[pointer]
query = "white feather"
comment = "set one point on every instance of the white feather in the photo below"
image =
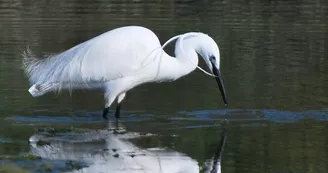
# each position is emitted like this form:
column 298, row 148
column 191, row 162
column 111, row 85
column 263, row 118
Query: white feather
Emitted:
column 97, row 60
column 117, row 61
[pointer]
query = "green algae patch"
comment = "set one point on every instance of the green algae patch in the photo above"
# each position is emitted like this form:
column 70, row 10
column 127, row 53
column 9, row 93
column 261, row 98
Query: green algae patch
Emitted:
column 32, row 157
column 73, row 165
column 12, row 169
column 48, row 167
column 26, row 157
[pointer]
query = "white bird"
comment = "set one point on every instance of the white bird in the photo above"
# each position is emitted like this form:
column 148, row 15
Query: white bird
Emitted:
column 119, row 60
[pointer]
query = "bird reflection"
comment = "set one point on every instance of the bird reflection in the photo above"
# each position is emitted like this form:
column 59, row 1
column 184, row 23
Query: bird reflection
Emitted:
column 214, row 164
column 113, row 154
column 105, row 151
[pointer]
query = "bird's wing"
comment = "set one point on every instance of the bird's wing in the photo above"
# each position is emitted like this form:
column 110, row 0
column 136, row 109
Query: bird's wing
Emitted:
column 106, row 57
column 109, row 61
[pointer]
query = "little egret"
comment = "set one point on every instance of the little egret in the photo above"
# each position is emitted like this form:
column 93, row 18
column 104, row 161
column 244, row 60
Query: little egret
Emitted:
column 119, row 60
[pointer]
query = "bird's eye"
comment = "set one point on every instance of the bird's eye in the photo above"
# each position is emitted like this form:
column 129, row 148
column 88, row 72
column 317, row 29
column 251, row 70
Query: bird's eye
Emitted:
column 212, row 58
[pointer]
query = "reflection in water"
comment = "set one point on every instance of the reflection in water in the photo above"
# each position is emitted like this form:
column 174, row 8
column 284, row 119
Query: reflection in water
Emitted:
column 268, row 146
column 104, row 151
column 214, row 164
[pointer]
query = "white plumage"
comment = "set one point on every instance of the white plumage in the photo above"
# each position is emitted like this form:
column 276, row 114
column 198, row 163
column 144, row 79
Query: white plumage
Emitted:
column 118, row 60
column 101, row 59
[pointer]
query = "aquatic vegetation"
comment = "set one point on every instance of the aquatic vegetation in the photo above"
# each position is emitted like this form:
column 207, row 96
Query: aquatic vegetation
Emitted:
column 25, row 157
column 48, row 167
column 73, row 165
column 32, row 157
column 12, row 169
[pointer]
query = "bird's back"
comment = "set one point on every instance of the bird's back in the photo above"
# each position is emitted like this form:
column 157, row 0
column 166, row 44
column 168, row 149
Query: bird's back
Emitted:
column 111, row 55
column 119, row 52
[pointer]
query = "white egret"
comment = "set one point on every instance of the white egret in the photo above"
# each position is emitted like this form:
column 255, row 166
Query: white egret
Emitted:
column 119, row 60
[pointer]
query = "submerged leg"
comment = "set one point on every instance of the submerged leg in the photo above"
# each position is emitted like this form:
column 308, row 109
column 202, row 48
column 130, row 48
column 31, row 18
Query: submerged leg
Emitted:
column 105, row 112
column 118, row 109
column 117, row 114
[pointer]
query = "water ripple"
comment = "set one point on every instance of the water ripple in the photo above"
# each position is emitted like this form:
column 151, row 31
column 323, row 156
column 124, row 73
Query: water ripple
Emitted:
column 253, row 115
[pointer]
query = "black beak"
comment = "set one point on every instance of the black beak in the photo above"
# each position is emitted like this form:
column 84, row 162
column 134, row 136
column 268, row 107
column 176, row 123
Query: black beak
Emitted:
column 217, row 73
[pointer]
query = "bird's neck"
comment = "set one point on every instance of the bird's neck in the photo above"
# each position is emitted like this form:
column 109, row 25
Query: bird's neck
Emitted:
column 186, row 61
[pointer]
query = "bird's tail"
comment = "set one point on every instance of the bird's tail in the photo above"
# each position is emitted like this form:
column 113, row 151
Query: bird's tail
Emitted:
column 29, row 62
column 37, row 90
column 34, row 68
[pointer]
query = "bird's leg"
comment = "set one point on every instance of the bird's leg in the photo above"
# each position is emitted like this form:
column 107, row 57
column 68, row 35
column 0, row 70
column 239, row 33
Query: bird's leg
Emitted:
column 105, row 112
column 108, row 101
column 117, row 114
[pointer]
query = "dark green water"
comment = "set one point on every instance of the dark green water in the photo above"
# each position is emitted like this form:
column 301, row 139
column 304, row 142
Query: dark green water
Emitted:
column 273, row 61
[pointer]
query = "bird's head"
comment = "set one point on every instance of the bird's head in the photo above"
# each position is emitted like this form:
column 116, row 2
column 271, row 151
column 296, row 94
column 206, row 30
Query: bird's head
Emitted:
column 207, row 48
column 209, row 51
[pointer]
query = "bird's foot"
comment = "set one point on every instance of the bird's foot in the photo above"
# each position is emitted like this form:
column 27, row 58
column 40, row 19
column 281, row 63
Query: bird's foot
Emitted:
column 119, row 131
